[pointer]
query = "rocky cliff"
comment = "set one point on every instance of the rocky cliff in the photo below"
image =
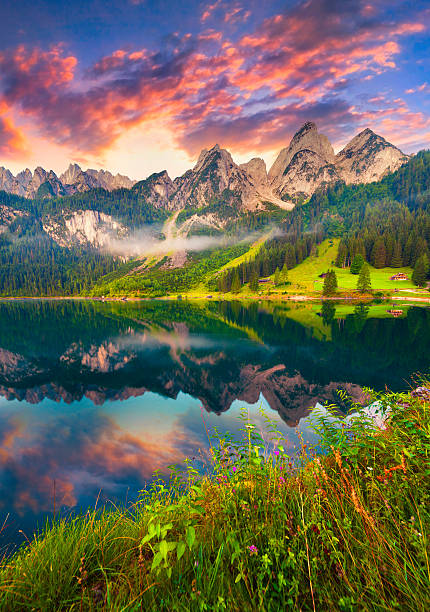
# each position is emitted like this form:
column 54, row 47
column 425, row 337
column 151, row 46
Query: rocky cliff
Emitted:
column 309, row 162
column 367, row 158
column 83, row 227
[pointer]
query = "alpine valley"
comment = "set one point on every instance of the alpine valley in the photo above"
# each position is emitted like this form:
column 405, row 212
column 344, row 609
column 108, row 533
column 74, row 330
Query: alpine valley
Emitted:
column 218, row 227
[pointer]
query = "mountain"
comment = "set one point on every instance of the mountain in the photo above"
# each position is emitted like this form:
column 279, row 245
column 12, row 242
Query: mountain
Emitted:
column 45, row 183
column 206, row 199
column 216, row 177
column 75, row 180
column 300, row 168
column 157, row 190
column 83, row 227
column 309, row 162
column 368, row 158
column 304, row 165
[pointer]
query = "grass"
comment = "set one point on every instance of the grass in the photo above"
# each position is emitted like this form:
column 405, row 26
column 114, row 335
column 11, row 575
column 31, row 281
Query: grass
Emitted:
column 346, row 530
column 305, row 275
column 304, row 278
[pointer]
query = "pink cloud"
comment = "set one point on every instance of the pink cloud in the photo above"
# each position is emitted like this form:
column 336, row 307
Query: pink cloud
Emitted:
column 206, row 88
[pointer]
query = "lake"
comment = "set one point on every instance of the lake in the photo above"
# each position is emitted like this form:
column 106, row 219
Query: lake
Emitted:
column 96, row 397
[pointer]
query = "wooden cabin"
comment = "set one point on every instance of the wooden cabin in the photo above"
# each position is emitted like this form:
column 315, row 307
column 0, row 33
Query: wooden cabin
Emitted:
column 395, row 312
column 401, row 276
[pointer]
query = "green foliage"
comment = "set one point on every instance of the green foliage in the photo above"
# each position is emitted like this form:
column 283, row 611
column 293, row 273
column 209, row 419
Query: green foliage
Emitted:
column 264, row 529
column 157, row 280
column 235, row 283
column 421, row 270
column 330, row 283
column 363, row 282
column 357, row 263
column 284, row 274
column 253, row 283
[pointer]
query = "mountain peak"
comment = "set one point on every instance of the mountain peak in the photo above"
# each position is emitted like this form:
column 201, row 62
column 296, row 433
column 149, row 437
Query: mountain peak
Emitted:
column 368, row 157
column 307, row 138
column 307, row 127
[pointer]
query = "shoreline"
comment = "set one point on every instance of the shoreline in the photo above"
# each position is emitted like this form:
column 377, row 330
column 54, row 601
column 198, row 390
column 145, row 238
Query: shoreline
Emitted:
column 215, row 298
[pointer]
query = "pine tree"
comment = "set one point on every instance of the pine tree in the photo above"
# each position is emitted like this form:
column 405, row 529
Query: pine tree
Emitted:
column 379, row 253
column 364, row 284
column 357, row 263
column 342, row 254
column 396, row 261
column 253, row 283
column 330, row 283
column 421, row 269
column 235, row 283
column 284, row 274
column 277, row 277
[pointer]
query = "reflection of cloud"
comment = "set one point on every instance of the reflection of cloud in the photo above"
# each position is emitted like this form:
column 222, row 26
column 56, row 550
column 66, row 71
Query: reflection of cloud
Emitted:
column 83, row 452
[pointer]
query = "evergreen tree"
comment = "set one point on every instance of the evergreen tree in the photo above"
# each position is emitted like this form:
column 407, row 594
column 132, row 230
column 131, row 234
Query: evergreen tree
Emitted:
column 330, row 283
column 357, row 263
column 277, row 277
column 421, row 269
column 364, row 284
column 284, row 274
column 342, row 254
column 379, row 254
column 235, row 283
column 253, row 283
column 396, row 261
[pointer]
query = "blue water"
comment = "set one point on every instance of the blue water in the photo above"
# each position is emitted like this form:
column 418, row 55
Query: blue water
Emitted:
column 97, row 397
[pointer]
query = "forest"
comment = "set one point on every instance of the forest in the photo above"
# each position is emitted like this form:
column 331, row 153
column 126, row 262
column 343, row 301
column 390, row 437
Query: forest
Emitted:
column 387, row 222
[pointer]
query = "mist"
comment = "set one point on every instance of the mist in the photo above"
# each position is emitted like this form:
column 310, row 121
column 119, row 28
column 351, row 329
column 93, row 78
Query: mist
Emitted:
column 146, row 242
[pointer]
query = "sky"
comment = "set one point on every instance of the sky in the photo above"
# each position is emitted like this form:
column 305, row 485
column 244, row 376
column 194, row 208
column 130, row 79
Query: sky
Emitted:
column 138, row 86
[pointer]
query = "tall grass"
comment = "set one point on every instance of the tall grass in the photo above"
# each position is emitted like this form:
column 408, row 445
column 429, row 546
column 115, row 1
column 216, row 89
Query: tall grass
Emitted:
column 346, row 530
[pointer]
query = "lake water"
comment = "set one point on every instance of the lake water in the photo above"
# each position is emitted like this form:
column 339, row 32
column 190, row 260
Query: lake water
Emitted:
column 95, row 397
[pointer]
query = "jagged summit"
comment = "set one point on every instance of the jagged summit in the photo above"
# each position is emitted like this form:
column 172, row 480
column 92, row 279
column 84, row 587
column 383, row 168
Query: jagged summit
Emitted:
column 305, row 164
column 367, row 158
column 73, row 180
column 300, row 168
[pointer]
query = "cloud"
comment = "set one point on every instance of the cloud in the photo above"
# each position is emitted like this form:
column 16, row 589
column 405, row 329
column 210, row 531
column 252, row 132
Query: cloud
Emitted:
column 209, row 10
column 253, row 91
column 83, row 452
column 12, row 140
column 423, row 88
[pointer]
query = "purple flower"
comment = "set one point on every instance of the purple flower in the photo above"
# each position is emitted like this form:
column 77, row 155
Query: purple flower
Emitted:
column 276, row 452
column 253, row 550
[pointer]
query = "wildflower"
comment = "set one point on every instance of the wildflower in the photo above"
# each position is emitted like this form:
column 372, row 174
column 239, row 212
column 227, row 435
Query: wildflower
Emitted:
column 337, row 456
column 253, row 550
column 276, row 452
column 281, row 479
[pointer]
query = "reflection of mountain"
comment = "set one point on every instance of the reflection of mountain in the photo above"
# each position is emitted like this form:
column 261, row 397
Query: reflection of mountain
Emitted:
column 116, row 351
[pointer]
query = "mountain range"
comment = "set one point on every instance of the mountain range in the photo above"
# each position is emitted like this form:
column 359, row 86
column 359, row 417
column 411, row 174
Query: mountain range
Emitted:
column 45, row 183
column 300, row 168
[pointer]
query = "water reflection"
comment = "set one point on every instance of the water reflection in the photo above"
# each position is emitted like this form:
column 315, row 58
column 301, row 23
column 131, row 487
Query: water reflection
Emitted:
column 67, row 367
